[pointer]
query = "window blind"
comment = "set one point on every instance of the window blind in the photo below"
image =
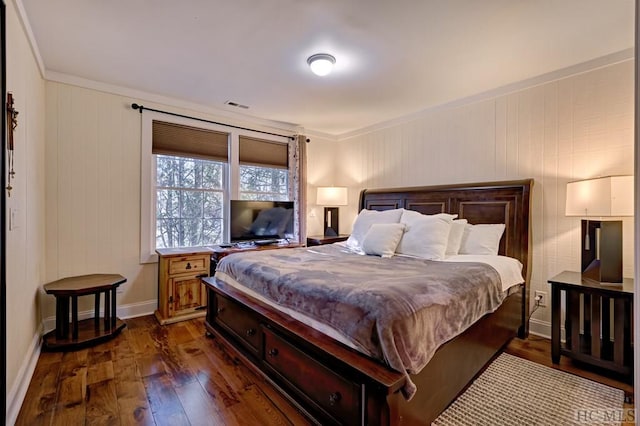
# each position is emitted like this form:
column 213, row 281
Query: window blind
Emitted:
column 187, row 141
column 260, row 152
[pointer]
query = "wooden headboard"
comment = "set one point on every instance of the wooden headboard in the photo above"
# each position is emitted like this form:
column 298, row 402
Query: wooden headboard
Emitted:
column 491, row 202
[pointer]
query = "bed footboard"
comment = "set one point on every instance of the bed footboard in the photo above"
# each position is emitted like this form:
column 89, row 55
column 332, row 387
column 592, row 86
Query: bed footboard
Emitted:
column 333, row 384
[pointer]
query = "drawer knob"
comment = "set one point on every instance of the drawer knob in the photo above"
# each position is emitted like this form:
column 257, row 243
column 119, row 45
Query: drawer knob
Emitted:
column 221, row 309
column 273, row 352
column 251, row 332
column 188, row 265
column 334, row 398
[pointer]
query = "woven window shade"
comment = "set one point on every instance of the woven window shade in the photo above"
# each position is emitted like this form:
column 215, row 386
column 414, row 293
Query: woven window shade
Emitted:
column 186, row 141
column 260, row 152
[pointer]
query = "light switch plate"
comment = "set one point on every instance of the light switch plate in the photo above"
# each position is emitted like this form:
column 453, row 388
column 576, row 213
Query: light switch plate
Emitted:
column 14, row 217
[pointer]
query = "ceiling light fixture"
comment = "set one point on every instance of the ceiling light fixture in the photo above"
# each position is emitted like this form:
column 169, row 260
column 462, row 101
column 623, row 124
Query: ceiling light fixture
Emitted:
column 321, row 63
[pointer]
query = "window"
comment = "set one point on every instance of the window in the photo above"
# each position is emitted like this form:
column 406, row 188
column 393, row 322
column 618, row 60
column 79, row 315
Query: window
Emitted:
column 264, row 173
column 190, row 165
column 264, row 183
column 190, row 171
column 189, row 201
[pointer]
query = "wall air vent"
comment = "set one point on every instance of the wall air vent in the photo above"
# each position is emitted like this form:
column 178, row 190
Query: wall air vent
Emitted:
column 237, row 105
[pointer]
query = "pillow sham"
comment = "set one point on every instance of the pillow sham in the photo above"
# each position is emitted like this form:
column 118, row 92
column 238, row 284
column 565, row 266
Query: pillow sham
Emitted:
column 455, row 236
column 481, row 239
column 365, row 219
column 412, row 214
column 425, row 236
column 382, row 239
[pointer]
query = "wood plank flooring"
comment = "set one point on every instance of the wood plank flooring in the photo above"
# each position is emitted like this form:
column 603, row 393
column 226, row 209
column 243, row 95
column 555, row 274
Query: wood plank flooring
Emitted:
column 152, row 375
column 174, row 375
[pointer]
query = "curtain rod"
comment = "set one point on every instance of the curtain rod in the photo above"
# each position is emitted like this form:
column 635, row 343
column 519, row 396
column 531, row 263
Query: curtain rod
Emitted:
column 142, row 107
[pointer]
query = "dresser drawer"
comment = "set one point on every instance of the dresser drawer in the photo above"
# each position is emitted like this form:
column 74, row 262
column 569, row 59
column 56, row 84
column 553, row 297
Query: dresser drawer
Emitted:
column 338, row 398
column 240, row 322
column 180, row 265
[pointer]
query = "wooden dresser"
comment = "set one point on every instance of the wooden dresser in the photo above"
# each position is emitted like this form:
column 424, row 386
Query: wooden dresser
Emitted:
column 181, row 294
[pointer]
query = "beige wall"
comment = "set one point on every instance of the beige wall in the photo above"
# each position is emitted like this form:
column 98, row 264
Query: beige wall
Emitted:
column 573, row 128
column 25, row 241
column 321, row 171
column 93, row 189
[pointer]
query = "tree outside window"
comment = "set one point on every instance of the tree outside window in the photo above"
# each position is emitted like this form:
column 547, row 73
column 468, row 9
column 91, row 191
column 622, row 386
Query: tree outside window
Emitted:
column 264, row 183
column 190, row 200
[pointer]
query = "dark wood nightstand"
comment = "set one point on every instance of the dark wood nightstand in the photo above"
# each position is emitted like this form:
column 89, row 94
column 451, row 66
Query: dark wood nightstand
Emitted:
column 599, row 302
column 319, row 240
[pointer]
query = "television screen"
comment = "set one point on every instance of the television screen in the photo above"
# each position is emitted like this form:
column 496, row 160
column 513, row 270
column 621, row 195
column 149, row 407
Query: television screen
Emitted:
column 261, row 220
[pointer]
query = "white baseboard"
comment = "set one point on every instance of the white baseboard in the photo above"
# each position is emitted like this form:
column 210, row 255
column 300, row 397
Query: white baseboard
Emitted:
column 16, row 395
column 543, row 329
column 131, row 310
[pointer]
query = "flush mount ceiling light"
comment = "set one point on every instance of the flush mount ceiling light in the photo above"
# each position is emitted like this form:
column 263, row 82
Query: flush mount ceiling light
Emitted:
column 321, row 63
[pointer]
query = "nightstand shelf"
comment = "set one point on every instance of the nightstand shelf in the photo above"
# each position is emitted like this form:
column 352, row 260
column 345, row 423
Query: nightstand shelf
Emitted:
column 319, row 240
column 590, row 307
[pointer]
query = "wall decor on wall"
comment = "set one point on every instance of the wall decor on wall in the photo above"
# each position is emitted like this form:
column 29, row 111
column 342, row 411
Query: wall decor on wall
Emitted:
column 12, row 123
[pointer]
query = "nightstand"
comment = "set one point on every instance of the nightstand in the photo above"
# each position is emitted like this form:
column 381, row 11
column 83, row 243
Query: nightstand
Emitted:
column 319, row 240
column 588, row 336
column 181, row 294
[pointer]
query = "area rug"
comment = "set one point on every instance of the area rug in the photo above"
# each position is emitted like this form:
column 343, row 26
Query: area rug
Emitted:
column 515, row 391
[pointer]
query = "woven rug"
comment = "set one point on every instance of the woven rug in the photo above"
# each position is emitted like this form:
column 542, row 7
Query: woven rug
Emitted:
column 515, row 391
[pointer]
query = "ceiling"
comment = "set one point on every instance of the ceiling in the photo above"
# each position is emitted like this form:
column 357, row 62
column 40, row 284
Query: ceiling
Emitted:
column 393, row 58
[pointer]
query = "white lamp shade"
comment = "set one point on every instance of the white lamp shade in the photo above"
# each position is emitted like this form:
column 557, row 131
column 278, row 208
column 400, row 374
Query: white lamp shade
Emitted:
column 332, row 196
column 606, row 196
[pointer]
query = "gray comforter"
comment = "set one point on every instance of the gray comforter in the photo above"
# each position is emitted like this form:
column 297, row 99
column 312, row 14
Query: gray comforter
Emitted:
column 399, row 309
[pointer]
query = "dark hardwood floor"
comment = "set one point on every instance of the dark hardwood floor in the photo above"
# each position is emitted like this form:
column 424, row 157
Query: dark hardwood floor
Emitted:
column 174, row 375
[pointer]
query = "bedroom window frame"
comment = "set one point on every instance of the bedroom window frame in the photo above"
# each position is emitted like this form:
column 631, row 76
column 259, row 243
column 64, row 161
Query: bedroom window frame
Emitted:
column 231, row 175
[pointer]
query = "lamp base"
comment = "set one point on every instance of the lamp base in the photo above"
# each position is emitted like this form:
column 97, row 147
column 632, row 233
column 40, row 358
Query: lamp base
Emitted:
column 331, row 224
column 602, row 256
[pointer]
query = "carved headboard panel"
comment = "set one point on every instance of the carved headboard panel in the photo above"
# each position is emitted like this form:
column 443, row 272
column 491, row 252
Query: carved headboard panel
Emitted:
column 492, row 202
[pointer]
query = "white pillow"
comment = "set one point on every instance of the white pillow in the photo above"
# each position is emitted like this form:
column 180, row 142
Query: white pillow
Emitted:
column 425, row 236
column 455, row 236
column 382, row 239
column 410, row 214
column 481, row 239
column 365, row 219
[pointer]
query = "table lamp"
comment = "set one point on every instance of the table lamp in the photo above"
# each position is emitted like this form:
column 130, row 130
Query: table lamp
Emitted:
column 610, row 196
column 331, row 196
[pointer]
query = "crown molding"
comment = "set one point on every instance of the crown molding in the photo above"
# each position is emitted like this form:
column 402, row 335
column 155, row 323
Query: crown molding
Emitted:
column 26, row 26
column 318, row 134
column 140, row 96
column 583, row 67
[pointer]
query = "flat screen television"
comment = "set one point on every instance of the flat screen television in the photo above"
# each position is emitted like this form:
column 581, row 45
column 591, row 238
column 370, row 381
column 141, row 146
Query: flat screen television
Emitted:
column 261, row 220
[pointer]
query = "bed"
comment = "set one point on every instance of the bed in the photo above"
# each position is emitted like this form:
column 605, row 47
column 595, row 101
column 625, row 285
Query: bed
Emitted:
column 334, row 383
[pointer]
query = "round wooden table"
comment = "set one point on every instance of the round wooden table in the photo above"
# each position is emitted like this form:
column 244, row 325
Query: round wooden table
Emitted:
column 89, row 331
